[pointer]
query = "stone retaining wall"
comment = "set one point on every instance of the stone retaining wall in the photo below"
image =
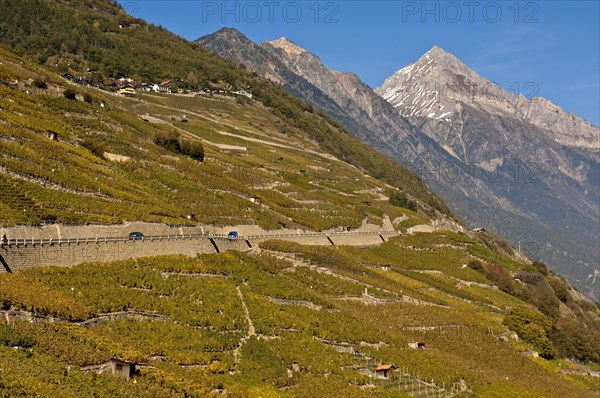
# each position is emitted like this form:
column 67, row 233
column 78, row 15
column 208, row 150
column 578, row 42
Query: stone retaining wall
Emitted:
column 66, row 255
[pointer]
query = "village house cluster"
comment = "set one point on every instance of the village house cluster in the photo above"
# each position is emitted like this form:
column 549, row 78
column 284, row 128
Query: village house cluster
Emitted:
column 127, row 86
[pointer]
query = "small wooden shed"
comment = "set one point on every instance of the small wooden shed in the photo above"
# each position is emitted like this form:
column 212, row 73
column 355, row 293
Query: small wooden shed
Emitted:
column 384, row 371
column 115, row 366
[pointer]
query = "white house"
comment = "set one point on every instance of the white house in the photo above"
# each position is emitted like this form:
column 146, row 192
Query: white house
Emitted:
column 164, row 87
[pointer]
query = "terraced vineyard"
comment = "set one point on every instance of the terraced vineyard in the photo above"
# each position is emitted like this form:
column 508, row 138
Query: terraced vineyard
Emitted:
column 15, row 206
column 283, row 320
column 74, row 180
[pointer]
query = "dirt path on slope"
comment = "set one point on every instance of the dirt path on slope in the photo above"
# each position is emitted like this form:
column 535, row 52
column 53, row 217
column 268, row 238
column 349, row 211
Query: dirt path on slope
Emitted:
column 237, row 353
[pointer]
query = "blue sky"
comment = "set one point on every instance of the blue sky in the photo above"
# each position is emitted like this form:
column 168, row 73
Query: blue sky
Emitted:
column 553, row 44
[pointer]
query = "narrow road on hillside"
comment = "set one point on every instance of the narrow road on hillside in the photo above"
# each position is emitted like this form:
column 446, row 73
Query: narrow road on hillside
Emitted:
column 243, row 137
column 283, row 236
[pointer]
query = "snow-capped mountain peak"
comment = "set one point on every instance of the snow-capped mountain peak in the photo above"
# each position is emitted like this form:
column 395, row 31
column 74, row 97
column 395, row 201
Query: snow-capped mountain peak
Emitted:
column 416, row 90
column 439, row 85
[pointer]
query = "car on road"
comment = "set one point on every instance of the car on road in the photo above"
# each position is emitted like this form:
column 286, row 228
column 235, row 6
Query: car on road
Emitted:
column 232, row 235
column 136, row 236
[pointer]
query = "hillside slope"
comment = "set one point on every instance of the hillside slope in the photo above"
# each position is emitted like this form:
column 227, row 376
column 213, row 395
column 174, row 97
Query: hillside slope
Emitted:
column 98, row 43
column 114, row 161
column 295, row 321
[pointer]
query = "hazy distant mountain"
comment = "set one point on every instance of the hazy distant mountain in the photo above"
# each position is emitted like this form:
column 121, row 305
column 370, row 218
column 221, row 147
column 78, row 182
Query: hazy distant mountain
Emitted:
column 523, row 168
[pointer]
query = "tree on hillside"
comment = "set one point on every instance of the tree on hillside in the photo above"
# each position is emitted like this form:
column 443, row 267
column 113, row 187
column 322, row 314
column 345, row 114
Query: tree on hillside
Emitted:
column 533, row 327
column 70, row 94
column 193, row 149
column 168, row 140
column 191, row 79
column 172, row 141
column 399, row 199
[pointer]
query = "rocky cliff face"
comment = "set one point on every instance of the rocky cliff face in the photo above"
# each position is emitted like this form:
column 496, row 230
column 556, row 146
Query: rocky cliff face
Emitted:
column 342, row 95
column 518, row 166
